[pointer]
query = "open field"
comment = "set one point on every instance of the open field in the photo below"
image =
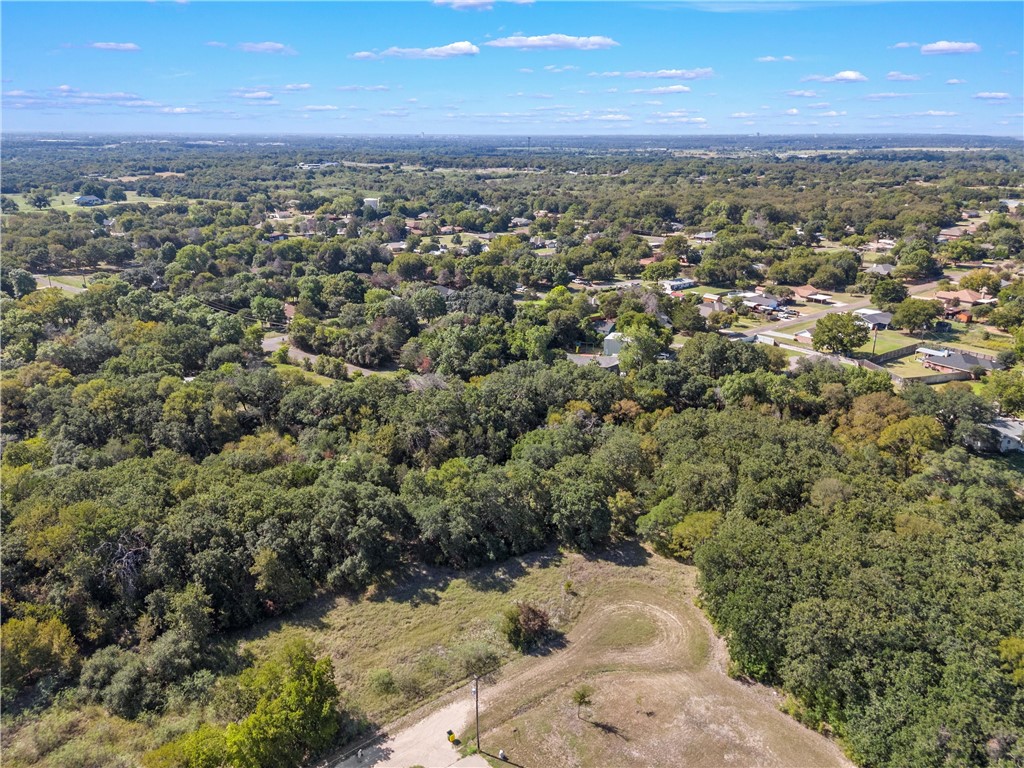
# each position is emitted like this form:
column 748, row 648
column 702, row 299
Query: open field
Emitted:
column 632, row 632
column 63, row 202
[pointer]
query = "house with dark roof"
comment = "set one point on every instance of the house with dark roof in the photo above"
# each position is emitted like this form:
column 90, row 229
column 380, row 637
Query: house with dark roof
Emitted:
column 957, row 361
column 875, row 319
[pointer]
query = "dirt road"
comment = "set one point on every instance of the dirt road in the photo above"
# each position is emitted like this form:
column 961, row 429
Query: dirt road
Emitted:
column 661, row 693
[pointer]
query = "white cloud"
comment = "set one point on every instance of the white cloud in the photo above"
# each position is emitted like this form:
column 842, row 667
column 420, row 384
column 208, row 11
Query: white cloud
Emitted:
column 741, row 115
column 362, row 88
column 215, row 44
column 179, row 110
column 556, row 70
column 668, row 118
column 935, row 113
column 833, row 113
column 261, row 95
column 461, row 48
column 663, row 90
column 803, row 94
column 115, row 46
column 846, row 76
column 883, row 96
column 554, row 42
column 526, row 70
column 819, row 105
column 901, row 77
column 792, row 111
column 320, row 108
column 617, row 117
column 947, row 47
column 298, row 87
column 768, row 59
column 15, row 94
column 955, row 81
column 906, row 45
column 267, row 47
column 700, row 73
column 992, row 95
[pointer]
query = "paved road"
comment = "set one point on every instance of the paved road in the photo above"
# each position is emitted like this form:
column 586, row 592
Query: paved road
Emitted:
column 295, row 355
column 423, row 743
column 47, row 281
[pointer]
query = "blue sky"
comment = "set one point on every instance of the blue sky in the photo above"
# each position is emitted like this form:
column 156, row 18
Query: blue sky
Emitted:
column 501, row 67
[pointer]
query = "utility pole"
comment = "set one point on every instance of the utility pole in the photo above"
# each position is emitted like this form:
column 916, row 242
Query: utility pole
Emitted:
column 476, row 698
column 874, row 342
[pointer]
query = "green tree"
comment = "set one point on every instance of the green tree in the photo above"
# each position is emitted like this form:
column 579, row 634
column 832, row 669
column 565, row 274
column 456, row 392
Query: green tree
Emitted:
column 31, row 649
column 981, row 280
column 582, row 696
column 840, row 333
column 39, row 200
column 916, row 314
column 888, row 293
column 295, row 716
column 1005, row 389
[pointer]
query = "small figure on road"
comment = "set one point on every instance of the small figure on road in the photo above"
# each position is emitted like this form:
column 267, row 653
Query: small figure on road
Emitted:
column 359, row 755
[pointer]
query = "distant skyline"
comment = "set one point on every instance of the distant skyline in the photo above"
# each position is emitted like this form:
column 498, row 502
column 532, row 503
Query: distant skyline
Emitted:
column 502, row 67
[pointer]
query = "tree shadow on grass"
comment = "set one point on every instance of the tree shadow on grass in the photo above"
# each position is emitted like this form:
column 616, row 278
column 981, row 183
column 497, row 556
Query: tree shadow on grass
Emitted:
column 629, row 554
column 614, row 730
column 554, row 640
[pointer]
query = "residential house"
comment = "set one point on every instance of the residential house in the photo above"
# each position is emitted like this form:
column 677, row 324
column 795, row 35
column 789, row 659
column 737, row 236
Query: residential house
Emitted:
column 880, row 269
column 704, row 237
column 1009, row 434
column 614, row 342
column 875, row 319
column 678, row 284
column 519, row 221
column 963, row 298
column 607, row 362
column 371, row 202
column 810, row 293
column 956, row 361
column 950, row 233
column 707, row 308
column 88, row 200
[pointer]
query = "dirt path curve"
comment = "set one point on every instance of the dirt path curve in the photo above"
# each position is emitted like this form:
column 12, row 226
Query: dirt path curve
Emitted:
column 662, row 698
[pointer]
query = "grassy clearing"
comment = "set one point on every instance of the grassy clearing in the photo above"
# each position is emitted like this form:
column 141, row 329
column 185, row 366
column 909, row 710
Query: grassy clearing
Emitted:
column 631, row 630
column 63, row 202
column 908, row 366
column 315, row 378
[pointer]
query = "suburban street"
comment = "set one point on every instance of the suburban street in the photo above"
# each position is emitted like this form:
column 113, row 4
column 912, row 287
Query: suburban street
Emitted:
column 781, row 325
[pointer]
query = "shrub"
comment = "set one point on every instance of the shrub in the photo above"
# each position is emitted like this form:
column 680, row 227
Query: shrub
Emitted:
column 524, row 625
column 382, row 682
